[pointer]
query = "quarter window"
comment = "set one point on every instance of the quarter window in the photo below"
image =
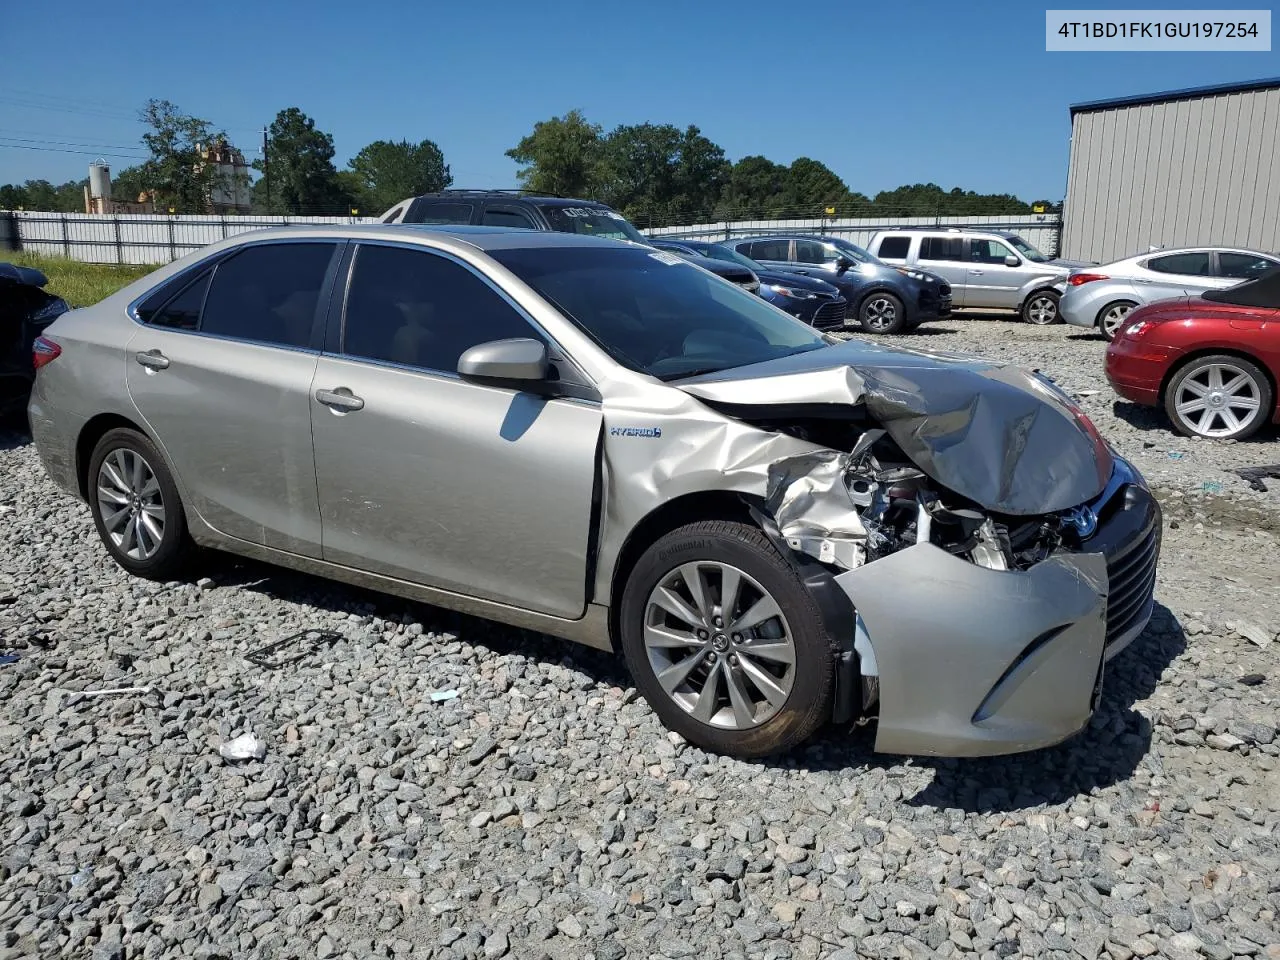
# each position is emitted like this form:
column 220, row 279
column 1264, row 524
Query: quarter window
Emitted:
column 506, row 218
column 183, row 311
column 431, row 212
column 1194, row 264
column 1243, row 266
column 942, row 248
column 422, row 310
column 269, row 293
column 894, row 248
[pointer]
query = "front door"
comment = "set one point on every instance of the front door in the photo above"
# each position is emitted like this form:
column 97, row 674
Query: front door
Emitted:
column 221, row 374
column 480, row 490
column 990, row 281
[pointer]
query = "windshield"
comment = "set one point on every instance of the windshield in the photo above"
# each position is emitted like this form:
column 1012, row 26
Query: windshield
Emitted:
column 593, row 222
column 1027, row 250
column 656, row 313
column 853, row 251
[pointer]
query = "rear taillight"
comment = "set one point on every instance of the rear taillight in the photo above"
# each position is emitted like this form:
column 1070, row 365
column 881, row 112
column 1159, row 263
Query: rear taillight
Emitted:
column 43, row 351
column 1078, row 279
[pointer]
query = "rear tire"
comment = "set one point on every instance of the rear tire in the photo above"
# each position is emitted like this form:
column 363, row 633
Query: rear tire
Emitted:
column 882, row 312
column 1111, row 317
column 1041, row 308
column 760, row 689
column 136, row 507
column 1220, row 396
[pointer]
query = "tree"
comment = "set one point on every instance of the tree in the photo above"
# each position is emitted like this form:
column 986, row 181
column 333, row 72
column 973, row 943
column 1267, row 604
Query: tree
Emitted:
column 757, row 187
column 128, row 184
column 560, row 156
column 637, row 170
column 13, row 197
column 387, row 172
column 300, row 165
column 702, row 173
column 177, row 170
column 812, row 187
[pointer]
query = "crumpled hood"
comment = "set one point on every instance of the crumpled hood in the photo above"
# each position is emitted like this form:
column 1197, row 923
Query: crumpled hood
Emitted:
column 991, row 432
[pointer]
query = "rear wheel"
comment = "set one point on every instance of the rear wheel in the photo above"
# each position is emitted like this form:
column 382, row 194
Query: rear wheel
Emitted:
column 1041, row 308
column 1111, row 317
column 725, row 642
column 1219, row 396
column 882, row 313
column 136, row 507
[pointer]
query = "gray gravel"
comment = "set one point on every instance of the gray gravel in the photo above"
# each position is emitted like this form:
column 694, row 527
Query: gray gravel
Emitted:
column 544, row 811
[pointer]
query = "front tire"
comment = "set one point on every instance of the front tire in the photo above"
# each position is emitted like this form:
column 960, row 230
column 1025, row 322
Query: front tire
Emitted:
column 1041, row 308
column 1111, row 317
column 882, row 312
column 725, row 642
column 1221, row 397
column 136, row 507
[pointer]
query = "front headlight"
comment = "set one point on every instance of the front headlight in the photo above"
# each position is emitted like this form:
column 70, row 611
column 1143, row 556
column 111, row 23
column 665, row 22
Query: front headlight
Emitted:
column 1134, row 330
column 913, row 274
column 784, row 291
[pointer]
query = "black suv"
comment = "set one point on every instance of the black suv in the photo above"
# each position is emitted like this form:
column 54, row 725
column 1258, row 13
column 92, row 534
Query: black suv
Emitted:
column 533, row 211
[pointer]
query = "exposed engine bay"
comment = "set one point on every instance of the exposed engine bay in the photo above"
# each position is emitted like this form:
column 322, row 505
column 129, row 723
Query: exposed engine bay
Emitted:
column 847, row 509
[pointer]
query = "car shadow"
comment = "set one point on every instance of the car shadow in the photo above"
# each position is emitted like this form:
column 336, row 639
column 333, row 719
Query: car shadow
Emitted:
column 13, row 432
column 1107, row 751
column 1093, row 336
column 1142, row 418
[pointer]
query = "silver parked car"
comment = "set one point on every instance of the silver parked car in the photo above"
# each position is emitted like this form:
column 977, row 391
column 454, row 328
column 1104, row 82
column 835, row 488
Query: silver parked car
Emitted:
column 987, row 270
column 609, row 444
column 1103, row 296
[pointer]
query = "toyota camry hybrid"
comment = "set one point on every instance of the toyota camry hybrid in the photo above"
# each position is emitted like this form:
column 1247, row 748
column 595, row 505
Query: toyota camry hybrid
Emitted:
column 605, row 442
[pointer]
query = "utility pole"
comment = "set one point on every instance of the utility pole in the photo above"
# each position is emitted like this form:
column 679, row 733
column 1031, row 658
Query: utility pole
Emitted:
column 266, row 168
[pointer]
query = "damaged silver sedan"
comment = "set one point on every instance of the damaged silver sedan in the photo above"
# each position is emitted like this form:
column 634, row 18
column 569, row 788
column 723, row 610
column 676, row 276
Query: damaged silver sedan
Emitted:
column 606, row 443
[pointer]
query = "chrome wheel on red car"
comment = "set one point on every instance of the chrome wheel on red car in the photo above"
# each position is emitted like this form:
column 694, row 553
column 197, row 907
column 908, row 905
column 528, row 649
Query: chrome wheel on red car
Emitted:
column 1221, row 397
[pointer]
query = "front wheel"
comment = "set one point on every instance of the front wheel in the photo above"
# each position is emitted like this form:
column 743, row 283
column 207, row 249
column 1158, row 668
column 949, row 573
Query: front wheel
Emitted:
column 136, row 506
column 1222, row 397
column 725, row 642
column 882, row 313
column 1041, row 308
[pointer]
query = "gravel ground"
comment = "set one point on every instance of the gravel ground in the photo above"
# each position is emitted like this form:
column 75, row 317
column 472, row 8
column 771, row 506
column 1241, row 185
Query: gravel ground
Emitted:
column 543, row 812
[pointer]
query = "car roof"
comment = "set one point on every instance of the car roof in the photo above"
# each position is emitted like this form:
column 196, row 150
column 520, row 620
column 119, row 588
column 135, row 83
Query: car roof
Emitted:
column 513, row 196
column 1201, row 248
column 949, row 231
column 484, row 238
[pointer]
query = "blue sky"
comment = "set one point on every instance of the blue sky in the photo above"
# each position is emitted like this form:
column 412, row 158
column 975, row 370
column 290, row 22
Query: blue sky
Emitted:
column 961, row 94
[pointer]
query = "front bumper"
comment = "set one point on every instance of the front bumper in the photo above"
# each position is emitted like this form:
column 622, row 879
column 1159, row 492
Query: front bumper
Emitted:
column 977, row 662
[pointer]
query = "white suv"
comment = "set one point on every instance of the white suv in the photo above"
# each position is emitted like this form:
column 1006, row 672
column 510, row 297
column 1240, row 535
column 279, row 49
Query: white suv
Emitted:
column 991, row 270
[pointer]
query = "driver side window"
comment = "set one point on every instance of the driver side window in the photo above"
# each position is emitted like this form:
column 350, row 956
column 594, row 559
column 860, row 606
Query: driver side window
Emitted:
column 422, row 310
column 988, row 251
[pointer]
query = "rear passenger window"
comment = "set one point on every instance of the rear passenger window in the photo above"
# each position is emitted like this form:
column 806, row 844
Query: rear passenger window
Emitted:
column 1188, row 264
column 432, row 212
column 269, row 293
column 811, row 251
column 770, row 250
column 422, row 310
column 1243, row 266
column 941, row 248
column 181, row 312
column 894, row 248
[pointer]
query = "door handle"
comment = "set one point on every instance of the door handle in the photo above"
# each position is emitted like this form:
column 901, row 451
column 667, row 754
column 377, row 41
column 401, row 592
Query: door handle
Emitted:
column 152, row 359
column 340, row 400
column 975, row 273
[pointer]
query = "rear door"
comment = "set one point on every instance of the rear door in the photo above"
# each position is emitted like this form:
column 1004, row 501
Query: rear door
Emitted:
column 480, row 490
column 1186, row 274
column 221, row 375
column 945, row 256
column 814, row 258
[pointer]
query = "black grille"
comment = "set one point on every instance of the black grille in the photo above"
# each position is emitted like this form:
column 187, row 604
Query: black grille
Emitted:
column 1131, row 578
column 830, row 314
column 944, row 289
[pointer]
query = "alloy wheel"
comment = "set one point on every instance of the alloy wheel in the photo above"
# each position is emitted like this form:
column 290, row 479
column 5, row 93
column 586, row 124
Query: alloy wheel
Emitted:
column 1114, row 318
column 131, row 504
column 719, row 645
column 1042, row 310
column 1218, row 400
column 880, row 313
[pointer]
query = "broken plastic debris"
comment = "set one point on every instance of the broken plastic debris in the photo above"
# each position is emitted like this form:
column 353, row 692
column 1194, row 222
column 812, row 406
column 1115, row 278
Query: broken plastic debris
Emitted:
column 1253, row 633
column 8, row 658
column 1255, row 475
column 1211, row 486
column 1253, row 679
column 1175, row 455
column 6, row 508
column 441, row 695
column 244, row 747
column 278, row 654
column 75, row 696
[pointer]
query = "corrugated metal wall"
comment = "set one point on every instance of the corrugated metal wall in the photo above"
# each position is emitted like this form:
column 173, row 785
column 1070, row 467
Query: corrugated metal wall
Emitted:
column 1204, row 170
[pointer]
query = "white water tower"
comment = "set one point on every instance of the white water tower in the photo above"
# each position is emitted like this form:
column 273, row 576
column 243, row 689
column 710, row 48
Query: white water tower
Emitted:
column 98, row 194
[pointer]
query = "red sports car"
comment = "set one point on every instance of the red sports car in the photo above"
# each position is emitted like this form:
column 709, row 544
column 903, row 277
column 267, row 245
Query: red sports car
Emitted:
column 1213, row 361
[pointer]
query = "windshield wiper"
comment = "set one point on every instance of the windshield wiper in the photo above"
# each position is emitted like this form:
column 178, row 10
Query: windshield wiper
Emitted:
column 685, row 374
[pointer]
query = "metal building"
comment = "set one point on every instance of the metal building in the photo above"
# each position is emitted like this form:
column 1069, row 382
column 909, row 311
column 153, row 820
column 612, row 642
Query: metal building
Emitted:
column 1196, row 166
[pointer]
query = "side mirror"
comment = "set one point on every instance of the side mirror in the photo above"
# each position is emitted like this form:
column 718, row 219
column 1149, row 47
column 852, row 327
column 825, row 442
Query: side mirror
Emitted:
column 843, row 264
column 517, row 363
column 1012, row 261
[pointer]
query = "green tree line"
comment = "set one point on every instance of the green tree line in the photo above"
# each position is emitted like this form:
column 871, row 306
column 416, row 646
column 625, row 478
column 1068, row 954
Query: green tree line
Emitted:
column 655, row 174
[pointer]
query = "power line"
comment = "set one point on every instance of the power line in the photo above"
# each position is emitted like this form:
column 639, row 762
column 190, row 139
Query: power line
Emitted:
column 86, row 153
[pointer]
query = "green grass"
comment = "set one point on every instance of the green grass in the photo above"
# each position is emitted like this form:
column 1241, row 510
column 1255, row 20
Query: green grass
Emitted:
column 80, row 284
